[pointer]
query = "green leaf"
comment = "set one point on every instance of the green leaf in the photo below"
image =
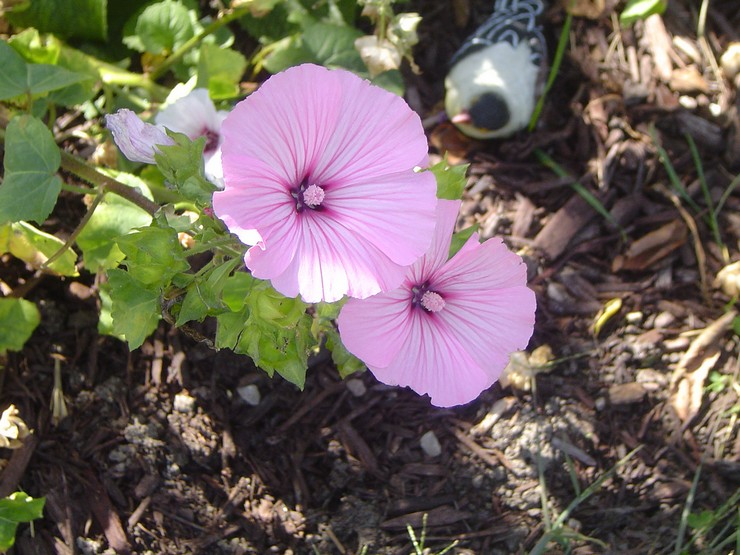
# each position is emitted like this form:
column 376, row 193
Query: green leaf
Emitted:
column 14, row 509
column 203, row 296
column 35, row 247
column 345, row 361
column 153, row 255
column 161, row 28
column 641, row 9
column 13, row 73
column 268, row 307
column 113, row 218
column 322, row 43
column 43, row 78
column 135, row 307
column 34, row 48
column 182, row 166
column 460, row 238
column 220, row 70
column 451, row 180
column 18, row 319
column 236, row 290
column 85, row 19
column 31, row 186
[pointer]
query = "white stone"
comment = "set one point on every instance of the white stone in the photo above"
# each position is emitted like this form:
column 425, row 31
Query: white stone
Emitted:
column 184, row 403
column 430, row 444
column 356, row 387
column 250, row 393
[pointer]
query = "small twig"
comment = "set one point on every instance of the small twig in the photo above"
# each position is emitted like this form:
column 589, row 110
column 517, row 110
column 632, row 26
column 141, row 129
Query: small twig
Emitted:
column 73, row 236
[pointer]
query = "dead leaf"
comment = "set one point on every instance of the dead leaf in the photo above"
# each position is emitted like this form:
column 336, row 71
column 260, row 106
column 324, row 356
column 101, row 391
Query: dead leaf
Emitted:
column 446, row 138
column 692, row 370
column 591, row 9
column 650, row 248
column 728, row 279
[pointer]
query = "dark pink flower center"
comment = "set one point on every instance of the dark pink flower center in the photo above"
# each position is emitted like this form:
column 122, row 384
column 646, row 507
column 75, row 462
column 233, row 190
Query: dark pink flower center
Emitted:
column 308, row 195
column 429, row 300
column 212, row 139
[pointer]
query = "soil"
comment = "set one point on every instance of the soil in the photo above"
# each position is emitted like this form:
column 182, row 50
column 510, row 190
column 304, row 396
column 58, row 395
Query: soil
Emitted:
column 160, row 451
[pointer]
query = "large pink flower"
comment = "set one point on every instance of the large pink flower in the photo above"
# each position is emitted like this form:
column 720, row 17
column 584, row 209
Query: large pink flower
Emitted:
column 319, row 170
column 449, row 329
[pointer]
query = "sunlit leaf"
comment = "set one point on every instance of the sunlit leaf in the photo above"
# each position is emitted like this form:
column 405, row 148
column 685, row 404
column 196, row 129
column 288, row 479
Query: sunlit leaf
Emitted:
column 135, row 307
column 85, row 19
column 18, row 319
column 451, row 180
column 30, row 187
column 35, row 247
column 14, row 509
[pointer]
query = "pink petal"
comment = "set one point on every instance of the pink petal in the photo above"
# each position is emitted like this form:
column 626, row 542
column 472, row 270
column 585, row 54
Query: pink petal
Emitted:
column 378, row 320
column 433, row 362
column 329, row 263
column 438, row 252
column 394, row 212
column 137, row 140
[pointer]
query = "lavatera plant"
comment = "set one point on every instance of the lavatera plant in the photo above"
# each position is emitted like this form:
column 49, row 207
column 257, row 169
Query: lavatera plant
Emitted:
column 312, row 202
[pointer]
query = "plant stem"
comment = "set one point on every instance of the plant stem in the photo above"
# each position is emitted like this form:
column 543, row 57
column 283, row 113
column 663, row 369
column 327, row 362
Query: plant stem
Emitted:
column 106, row 184
column 176, row 56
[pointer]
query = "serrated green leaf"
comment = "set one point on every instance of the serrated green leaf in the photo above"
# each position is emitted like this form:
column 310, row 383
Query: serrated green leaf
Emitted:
column 85, row 19
column 31, row 186
column 451, row 180
column 182, row 166
column 114, row 217
column 162, row 28
column 18, row 319
column 230, row 327
column 236, row 290
column 14, row 509
column 220, row 70
column 641, row 9
column 270, row 308
column 153, row 255
column 135, row 309
column 35, row 247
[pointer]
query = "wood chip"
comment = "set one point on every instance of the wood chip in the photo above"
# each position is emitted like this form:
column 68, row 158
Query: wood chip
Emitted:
column 659, row 44
column 439, row 516
column 626, row 393
column 559, row 230
column 652, row 247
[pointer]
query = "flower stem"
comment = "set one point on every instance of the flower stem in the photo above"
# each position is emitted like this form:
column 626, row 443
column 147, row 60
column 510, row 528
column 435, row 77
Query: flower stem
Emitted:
column 176, row 56
column 106, row 184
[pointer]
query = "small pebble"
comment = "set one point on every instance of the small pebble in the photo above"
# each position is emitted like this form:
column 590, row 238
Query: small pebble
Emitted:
column 600, row 403
column 676, row 344
column 356, row 387
column 184, row 403
column 634, row 317
column 664, row 320
column 430, row 444
column 626, row 393
column 250, row 393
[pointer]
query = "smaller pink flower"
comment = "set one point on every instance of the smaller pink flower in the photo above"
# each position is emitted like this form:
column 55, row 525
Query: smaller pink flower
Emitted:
column 449, row 329
column 193, row 115
column 137, row 140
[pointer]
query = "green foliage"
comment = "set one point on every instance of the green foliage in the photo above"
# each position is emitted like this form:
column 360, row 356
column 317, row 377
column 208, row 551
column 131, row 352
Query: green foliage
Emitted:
column 22, row 81
column 85, row 19
column 35, row 247
column 451, row 180
column 134, row 309
column 182, row 166
column 161, row 28
column 18, row 319
column 641, row 9
column 460, row 238
column 113, row 218
column 31, row 186
column 153, row 255
column 220, row 70
column 14, row 509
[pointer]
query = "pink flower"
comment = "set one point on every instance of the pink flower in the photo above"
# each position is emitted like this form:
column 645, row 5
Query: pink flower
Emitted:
column 319, row 170
column 449, row 328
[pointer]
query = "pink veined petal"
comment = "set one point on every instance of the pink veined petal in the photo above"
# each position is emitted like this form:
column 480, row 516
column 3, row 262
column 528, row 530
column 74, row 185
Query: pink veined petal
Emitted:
column 433, row 362
column 137, row 140
column 437, row 254
column 375, row 329
column 376, row 133
column 395, row 212
column 193, row 114
column 287, row 122
column 329, row 263
column 488, row 307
